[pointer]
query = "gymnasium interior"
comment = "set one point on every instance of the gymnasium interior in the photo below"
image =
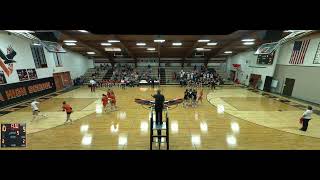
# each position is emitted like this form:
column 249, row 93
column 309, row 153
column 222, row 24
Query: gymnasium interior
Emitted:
column 263, row 83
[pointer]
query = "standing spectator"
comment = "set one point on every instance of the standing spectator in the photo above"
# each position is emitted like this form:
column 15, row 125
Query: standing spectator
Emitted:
column 191, row 76
column 306, row 117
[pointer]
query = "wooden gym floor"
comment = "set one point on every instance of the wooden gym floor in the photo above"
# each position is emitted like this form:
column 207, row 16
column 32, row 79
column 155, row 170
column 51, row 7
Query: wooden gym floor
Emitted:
column 228, row 118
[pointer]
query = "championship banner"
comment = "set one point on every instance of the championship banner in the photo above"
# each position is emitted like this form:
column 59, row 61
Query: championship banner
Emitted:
column 53, row 47
column 22, row 74
column 267, row 48
column 32, row 73
column 17, row 92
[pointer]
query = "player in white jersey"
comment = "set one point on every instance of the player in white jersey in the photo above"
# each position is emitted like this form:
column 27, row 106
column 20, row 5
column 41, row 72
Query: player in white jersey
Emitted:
column 35, row 110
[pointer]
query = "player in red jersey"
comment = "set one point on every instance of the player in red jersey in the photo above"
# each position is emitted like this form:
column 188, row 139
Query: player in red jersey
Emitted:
column 68, row 109
column 200, row 96
column 113, row 101
column 104, row 102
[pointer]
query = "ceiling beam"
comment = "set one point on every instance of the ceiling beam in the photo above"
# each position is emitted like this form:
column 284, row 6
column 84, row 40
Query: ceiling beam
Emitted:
column 191, row 49
column 81, row 43
column 124, row 46
column 239, row 34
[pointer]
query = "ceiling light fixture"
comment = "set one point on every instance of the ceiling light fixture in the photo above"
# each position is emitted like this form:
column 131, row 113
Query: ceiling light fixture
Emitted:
column 113, row 41
column 159, row 40
column 151, row 49
column 106, row 44
column 203, row 40
column 83, row 31
column 141, row 44
column 228, row 52
column 112, row 49
column 70, row 41
column 91, row 53
column 70, row 44
column 212, row 44
column 202, row 49
column 248, row 43
column 176, row 44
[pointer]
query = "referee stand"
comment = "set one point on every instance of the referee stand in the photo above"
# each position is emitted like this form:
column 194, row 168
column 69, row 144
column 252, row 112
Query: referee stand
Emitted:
column 159, row 132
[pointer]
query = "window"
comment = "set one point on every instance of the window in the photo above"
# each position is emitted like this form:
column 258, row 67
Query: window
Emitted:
column 38, row 56
column 57, row 59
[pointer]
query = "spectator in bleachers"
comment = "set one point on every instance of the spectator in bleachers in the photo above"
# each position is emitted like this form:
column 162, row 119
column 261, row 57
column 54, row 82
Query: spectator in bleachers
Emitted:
column 200, row 77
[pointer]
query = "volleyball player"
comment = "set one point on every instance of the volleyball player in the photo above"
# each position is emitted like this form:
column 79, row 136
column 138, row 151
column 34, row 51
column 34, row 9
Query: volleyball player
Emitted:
column 186, row 96
column 200, row 96
column 104, row 102
column 190, row 95
column 113, row 101
column 35, row 110
column 213, row 84
column 68, row 109
column 194, row 98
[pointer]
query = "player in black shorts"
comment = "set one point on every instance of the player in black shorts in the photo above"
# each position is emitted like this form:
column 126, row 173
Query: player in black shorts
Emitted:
column 194, row 97
column 213, row 84
column 186, row 96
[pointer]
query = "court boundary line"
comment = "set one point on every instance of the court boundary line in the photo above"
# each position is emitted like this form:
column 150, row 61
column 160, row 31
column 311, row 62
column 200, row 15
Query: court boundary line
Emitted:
column 263, row 125
column 72, row 120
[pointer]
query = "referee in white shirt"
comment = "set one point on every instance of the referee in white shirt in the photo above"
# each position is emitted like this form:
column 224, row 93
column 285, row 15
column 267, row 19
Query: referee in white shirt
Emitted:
column 306, row 117
column 93, row 85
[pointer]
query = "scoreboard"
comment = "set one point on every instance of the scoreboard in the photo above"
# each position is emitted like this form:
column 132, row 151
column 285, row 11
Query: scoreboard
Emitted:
column 13, row 135
column 265, row 58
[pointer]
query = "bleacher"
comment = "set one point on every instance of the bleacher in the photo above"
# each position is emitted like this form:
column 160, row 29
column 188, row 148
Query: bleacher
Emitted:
column 109, row 74
column 167, row 75
column 154, row 71
column 171, row 70
column 88, row 75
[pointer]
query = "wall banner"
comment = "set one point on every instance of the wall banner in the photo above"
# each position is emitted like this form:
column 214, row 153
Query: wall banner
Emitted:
column 17, row 92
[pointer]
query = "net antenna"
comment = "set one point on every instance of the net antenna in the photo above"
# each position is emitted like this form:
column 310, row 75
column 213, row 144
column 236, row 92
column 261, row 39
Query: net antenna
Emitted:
column 269, row 48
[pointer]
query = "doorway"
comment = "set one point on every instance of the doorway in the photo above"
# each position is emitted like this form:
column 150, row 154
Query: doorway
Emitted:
column 288, row 87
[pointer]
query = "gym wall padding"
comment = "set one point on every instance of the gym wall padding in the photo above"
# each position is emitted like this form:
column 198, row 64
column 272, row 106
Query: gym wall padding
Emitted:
column 17, row 92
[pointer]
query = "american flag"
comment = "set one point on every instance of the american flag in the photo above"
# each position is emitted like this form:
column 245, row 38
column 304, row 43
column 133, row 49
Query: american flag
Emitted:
column 299, row 51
